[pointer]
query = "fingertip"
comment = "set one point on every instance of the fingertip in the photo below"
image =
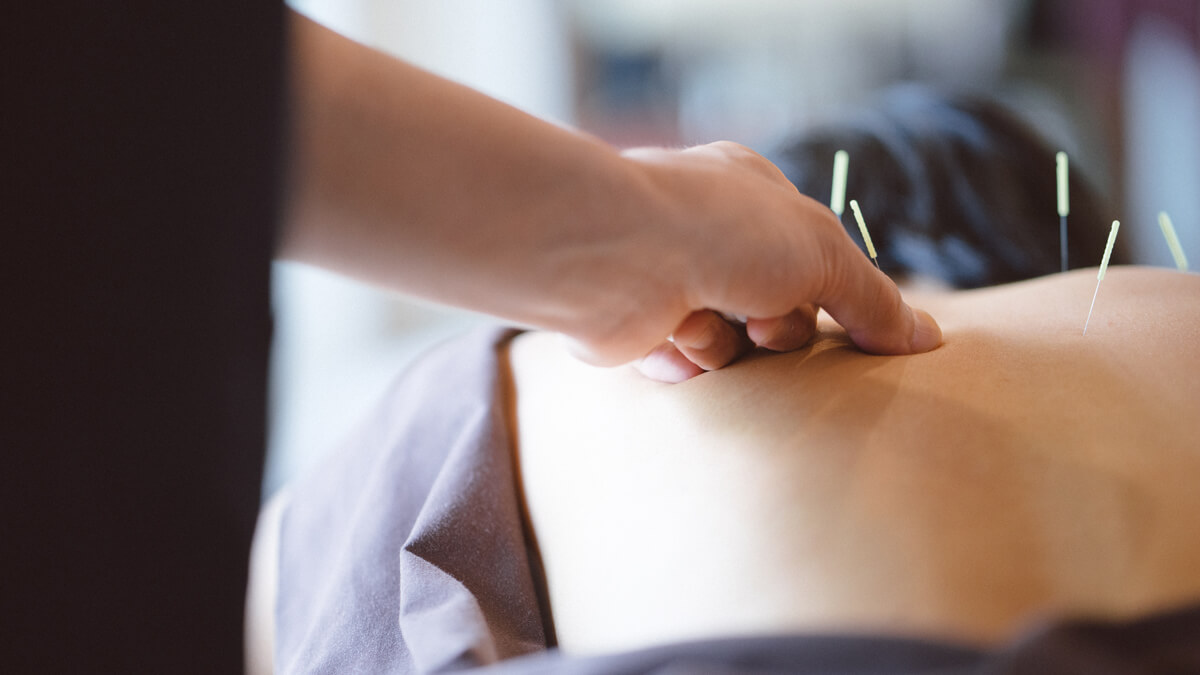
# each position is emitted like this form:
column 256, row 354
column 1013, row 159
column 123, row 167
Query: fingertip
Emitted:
column 784, row 334
column 708, row 340
column 666, row 364
column 927, row 334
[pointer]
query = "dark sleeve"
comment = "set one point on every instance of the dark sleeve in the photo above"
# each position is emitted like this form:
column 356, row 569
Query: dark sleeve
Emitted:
column 141, row 149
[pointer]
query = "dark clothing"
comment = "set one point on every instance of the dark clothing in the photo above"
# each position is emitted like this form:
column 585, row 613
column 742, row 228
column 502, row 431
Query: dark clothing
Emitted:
column 406, row 553
column 141, row 143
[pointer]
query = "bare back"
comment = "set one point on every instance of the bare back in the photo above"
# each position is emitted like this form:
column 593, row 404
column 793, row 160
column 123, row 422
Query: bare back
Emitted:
column 1021, row 470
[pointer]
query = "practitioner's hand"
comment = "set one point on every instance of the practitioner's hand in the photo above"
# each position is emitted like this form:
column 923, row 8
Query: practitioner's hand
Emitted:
column 469, row 202
column 738, row 239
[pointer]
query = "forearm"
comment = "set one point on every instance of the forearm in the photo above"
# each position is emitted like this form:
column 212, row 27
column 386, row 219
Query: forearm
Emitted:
column 407, row 180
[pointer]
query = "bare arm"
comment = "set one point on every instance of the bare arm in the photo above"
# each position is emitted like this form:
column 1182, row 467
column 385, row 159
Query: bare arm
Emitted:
column 407, row 180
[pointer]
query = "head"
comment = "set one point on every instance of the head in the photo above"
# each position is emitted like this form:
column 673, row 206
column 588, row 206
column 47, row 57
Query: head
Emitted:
column 952, row 187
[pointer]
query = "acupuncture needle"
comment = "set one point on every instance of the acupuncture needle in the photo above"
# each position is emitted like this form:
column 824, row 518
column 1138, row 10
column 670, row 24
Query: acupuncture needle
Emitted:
column 1064, row 207
column 1112, row 237
column 862, row 227
column 1168, row 230
column 837, row 199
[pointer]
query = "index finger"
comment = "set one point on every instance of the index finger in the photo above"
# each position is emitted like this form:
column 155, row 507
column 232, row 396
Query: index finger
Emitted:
column 867, row 303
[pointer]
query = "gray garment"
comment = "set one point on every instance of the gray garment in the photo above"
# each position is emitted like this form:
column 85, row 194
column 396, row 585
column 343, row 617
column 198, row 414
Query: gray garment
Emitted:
column 406, row 553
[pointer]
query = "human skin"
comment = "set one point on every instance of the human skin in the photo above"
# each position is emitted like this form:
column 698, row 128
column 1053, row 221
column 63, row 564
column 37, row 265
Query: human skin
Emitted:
column 409, row 181
column 1021, row 471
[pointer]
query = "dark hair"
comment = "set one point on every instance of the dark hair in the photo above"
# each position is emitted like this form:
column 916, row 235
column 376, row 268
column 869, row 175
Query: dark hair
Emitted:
column 953, row 187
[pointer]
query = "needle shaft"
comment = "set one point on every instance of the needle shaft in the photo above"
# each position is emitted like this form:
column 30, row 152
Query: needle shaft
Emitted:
column 1089, row 318
column 1062, row 240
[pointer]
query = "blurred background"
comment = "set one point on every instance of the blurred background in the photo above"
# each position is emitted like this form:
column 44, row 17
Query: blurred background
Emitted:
column 1115, row 83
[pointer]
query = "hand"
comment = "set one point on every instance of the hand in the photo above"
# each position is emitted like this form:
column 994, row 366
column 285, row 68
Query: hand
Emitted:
column 552, row 228
column 741, row 240
column 707, row 340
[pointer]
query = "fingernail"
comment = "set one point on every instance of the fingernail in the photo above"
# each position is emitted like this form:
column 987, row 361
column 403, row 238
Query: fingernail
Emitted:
column 927, row 334
column 665, row 364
